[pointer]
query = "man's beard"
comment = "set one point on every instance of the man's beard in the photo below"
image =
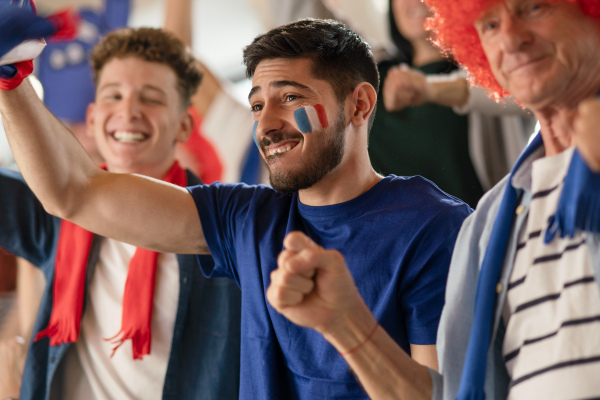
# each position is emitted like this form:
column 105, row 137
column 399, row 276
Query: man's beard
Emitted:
column 327, row 155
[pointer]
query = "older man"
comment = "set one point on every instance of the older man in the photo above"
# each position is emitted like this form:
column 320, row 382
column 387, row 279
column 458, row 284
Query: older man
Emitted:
column 522, row 301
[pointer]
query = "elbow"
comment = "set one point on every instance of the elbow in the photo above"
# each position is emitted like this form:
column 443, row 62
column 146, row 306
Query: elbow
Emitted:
column 60, row 207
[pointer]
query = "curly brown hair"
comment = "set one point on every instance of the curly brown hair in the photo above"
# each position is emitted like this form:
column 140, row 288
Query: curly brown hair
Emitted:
column 153, row 45
column 454, row 33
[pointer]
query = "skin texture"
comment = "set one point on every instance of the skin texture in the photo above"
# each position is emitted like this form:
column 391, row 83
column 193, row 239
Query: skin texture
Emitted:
column 11, row 367
column 279, row 87
column 140, row 97
column 542, row 53
column 410, row 16
column 586, row 135
column 407, row 87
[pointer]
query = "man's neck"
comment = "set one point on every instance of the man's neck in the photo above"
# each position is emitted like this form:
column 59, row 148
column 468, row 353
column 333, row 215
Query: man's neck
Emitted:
column 340, row 185
column 556, row 129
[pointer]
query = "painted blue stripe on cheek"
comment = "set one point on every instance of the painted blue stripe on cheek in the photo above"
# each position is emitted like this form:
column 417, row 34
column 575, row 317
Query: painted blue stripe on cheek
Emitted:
column 302, row 120
column 254, row 133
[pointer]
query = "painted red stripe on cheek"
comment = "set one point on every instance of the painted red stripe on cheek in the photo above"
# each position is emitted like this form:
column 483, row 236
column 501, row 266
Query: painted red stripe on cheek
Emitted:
column 322, row 116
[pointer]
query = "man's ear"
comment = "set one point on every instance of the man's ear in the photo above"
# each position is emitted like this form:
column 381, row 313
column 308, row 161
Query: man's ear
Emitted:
column 89, row 120
column 364, row 99
column 186, row 125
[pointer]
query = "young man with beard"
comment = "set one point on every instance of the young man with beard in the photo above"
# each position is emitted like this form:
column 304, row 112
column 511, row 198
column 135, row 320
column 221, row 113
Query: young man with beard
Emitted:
column 313, row 94
column 522, row 303
column 184, row 328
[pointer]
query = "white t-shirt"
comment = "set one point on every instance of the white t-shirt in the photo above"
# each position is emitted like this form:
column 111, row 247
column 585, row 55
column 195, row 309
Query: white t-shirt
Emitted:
column 89, row 372
column 552, row 344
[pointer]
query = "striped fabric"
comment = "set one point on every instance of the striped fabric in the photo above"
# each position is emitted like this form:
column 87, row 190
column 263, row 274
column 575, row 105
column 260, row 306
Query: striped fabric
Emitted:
column 552, row 342
column 311, row 118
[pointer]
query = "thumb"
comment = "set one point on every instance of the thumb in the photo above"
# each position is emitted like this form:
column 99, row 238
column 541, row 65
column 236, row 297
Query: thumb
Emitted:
column 297, row 241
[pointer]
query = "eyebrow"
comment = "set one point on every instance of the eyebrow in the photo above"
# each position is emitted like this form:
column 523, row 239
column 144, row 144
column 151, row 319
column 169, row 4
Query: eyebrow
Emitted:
column 277, row 85
column 145, row 87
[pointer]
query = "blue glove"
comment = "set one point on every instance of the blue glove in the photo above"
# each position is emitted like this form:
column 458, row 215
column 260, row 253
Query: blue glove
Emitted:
column 20, row 24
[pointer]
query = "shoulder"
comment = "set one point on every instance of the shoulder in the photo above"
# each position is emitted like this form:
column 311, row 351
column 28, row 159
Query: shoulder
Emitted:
column 238, row 195
column 421, row 193
column 238, row 189
column 485, row 213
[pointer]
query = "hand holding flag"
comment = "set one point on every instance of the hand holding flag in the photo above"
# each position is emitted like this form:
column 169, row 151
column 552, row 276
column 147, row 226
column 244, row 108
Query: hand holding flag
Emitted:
column 21, row 38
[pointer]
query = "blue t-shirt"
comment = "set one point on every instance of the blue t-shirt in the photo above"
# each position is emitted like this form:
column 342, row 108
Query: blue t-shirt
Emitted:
column 397, row 239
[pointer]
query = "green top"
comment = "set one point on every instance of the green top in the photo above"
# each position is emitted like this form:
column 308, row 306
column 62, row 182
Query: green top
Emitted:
column 428, row 140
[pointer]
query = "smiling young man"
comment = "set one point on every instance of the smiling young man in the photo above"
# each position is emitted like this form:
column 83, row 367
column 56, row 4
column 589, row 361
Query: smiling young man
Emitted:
column 184, row 328
column 522, row 302
column 313, row 93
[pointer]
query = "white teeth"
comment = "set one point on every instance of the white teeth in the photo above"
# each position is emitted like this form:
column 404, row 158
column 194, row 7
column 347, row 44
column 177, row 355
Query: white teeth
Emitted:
column 129, row 137
column 280, row 150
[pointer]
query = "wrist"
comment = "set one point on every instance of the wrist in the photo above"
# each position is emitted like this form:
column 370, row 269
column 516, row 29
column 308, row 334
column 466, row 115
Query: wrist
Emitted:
column 447, row 91
column 352, row 329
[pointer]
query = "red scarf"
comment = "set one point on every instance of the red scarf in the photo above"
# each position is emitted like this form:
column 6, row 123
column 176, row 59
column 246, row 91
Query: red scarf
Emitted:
column 74, row 244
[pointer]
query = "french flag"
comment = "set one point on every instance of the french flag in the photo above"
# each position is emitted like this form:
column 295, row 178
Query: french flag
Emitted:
column 311, row 118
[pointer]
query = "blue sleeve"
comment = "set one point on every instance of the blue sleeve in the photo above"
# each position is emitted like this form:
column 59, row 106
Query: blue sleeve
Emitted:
column 222, row 209
column 26, row 229
column 423, row 286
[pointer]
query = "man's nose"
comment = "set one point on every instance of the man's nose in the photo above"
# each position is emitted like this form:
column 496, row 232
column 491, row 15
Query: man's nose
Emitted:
column 271, row 120
column 130, row 108
column 515, row 34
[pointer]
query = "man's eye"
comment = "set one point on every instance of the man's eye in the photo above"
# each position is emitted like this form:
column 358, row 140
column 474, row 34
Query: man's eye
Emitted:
column 533, row 8
column 489, row 26
column 291, row 97
column 153, row 101
column 256, row 107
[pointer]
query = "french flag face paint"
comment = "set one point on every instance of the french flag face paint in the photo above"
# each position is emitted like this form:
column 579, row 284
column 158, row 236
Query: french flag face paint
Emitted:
column 254, row 134
column 311, row 118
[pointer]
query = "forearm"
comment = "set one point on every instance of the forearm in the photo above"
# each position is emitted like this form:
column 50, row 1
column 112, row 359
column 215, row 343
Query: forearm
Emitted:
column 178, row 19
column 44, row 150
column 383, row 368
column 449, row 93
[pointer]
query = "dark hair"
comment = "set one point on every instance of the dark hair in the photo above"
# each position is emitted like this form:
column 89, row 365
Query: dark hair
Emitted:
column 153, row 45
column 339, row 56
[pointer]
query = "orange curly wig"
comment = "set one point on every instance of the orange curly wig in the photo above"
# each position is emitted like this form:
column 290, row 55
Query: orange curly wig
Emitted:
column 453, row 32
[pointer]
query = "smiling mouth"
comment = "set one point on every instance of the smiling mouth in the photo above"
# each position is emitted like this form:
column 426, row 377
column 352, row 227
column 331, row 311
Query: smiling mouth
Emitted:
column 279, row 144
column 279, row 150
column 525, row 64
column 129, row 137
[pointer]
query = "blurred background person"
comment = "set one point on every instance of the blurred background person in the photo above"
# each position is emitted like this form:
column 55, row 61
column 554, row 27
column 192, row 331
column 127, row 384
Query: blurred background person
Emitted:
column 422, row 126
column 21, row 289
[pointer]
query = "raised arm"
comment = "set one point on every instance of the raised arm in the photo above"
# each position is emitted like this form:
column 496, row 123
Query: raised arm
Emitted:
column 406, row 87
column 129, row 208
column 313, row 288
column 178, row 20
